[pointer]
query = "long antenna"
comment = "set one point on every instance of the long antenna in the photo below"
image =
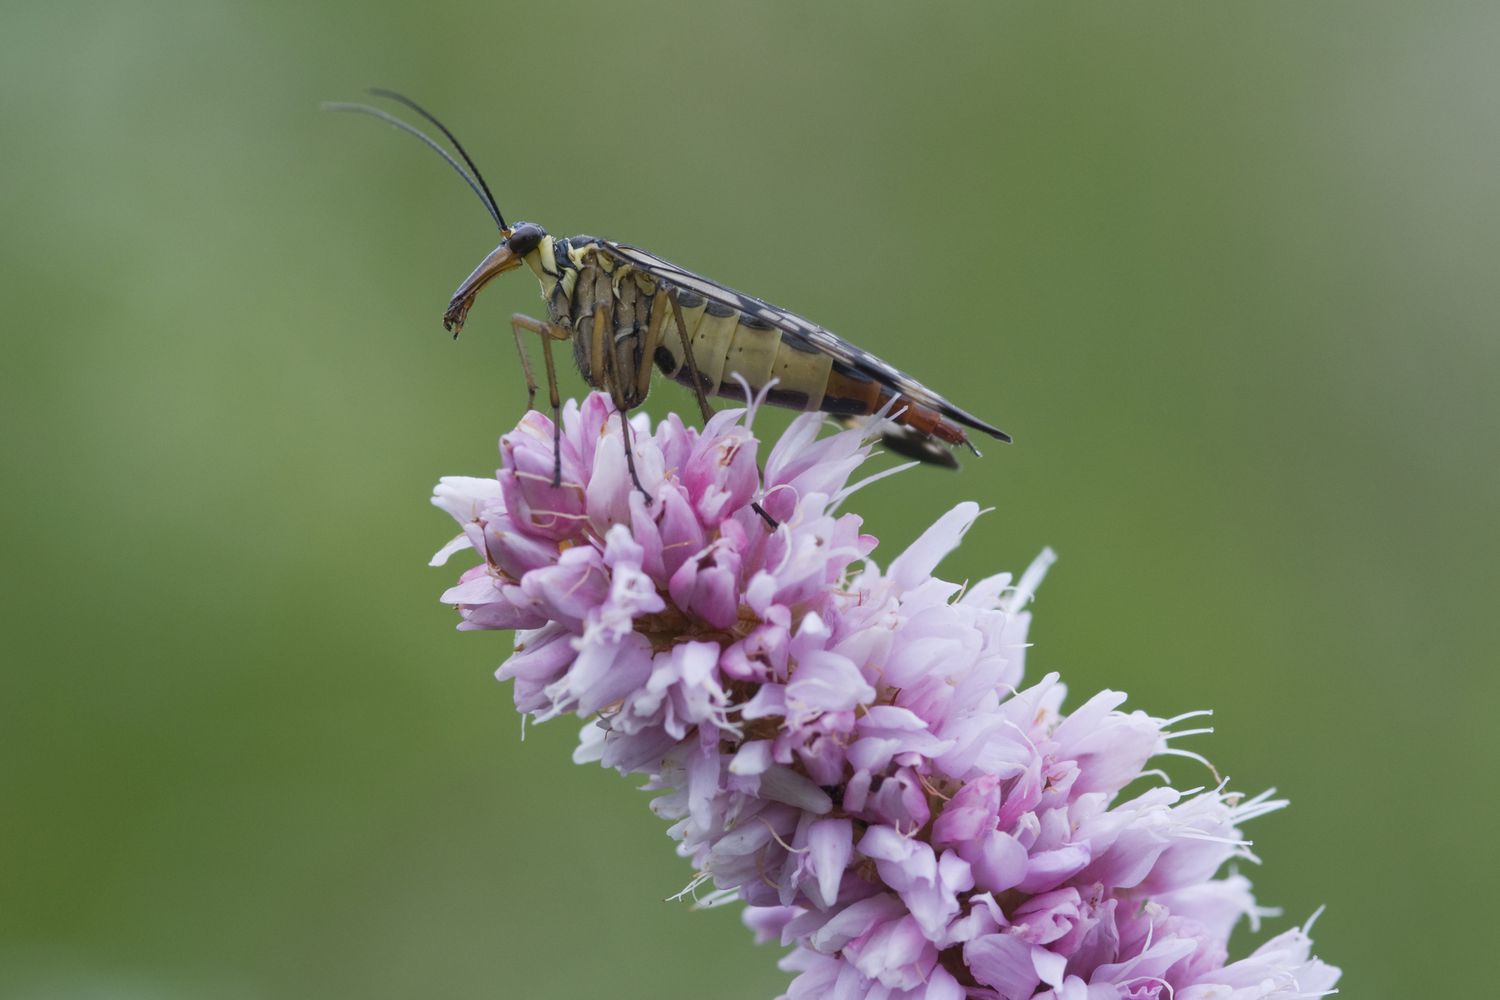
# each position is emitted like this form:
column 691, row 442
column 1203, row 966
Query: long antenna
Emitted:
column 390, row 119
column 473, row 167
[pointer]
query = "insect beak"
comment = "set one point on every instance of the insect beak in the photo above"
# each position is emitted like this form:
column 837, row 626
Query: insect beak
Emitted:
column 498, row 262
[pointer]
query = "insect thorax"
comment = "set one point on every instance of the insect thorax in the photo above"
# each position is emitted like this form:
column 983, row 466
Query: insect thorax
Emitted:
column 604, row 306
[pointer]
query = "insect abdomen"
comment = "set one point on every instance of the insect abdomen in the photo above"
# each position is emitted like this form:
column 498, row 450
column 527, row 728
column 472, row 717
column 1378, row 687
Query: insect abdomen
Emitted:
column 727, row 343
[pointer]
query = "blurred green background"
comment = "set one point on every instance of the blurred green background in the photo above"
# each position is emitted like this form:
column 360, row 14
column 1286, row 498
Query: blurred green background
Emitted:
column 1227, row 271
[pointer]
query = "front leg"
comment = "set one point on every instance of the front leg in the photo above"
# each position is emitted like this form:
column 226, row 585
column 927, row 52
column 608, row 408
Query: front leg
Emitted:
column 548, row 332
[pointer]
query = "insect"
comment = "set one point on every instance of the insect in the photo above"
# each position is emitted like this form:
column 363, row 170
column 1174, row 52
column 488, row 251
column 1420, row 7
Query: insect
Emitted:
column 626, row 310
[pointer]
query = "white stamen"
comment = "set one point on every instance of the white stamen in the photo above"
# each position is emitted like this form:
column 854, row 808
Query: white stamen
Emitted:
column 1186, row 715
column 1177, row 752
column 717, row 898
column 691, row 888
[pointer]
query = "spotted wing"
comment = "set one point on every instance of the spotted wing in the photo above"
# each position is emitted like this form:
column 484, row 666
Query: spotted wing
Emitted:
column 791, row 325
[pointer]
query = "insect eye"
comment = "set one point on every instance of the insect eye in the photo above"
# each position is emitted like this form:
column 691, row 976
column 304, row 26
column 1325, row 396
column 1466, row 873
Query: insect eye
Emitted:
column 525, row 238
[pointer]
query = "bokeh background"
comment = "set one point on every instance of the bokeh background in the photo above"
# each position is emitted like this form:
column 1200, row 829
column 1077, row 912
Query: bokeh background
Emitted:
column 1227, row 271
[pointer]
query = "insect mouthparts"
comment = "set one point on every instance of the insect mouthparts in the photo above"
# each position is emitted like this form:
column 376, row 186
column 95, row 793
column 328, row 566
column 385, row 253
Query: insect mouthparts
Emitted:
column 458, row 311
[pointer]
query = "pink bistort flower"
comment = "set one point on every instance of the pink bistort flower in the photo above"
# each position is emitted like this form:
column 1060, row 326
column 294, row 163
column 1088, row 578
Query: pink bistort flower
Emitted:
column 850, row 751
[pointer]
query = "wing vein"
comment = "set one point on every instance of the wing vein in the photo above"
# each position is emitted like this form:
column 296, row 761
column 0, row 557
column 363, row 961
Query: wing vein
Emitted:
column 790, row 324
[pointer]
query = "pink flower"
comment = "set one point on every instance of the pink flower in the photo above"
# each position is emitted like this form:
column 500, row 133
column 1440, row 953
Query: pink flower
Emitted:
column 849, row 751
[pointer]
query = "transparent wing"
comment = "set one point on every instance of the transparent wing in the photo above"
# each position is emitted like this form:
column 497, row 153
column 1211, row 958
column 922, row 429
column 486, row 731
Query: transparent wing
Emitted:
column 791, row 325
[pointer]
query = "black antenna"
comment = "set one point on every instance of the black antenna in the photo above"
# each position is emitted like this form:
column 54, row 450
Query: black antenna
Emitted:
column 473, row 167
column 390, row 119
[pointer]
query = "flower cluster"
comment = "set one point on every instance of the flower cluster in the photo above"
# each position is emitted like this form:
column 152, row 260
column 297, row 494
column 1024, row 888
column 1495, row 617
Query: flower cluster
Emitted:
column 849, row 750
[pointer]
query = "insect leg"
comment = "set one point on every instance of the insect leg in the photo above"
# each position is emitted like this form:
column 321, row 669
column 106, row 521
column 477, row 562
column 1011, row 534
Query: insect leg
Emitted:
column 687, row 350
column 517, row 324
column 548, row 333
column 630, row 453
column 556, row 401
column 607, row 363
column 648, row 347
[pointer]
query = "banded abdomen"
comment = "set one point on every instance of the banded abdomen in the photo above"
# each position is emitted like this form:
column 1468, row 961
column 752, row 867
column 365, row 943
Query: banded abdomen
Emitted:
column 727, row 343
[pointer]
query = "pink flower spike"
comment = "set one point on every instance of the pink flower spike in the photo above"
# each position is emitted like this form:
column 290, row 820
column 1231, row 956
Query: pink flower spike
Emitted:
column 849, row 752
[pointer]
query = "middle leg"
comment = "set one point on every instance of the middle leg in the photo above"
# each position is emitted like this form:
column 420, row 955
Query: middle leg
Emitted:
column 606, row 362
